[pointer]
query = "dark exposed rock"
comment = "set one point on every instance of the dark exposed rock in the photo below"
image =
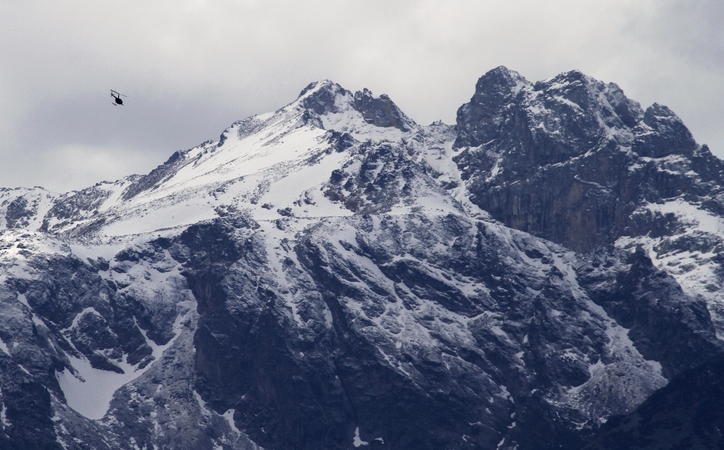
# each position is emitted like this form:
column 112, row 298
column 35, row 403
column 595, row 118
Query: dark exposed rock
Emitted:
column 666, row 134
column 26, row 411
column 570, row 159
column 380, row 111
column 648, row 302
column 309, row 384
column 75, row 206
column 18, row 212
column 340, row 141
column 323, row 100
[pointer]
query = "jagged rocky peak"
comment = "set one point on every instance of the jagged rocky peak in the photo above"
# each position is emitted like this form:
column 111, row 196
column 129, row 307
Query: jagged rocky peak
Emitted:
column 380, row 111
column 323, row 97
column 499, row 84
column 590, row 94
column 326, row 97
column 493, row 90
column 571, row 158
column 662, row 133
column 571, row 107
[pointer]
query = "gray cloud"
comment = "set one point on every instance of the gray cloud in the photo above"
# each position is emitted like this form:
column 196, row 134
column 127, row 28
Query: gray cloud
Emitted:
column 191, row 68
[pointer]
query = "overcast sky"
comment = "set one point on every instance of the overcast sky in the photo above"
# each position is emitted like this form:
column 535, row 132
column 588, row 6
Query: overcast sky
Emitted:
column 192, row 67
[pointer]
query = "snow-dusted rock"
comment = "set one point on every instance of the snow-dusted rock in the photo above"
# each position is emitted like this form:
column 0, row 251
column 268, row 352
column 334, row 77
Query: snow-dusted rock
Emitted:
column 334, row 275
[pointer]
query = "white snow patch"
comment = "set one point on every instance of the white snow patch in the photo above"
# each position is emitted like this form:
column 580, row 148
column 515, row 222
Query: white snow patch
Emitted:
column 357, row 441
column 4, row 347
column 702, row 220
column 89, row 391
column 205, row 411
column 38, row 321
column 4, row 416
column 229, row 416
column 23, row 300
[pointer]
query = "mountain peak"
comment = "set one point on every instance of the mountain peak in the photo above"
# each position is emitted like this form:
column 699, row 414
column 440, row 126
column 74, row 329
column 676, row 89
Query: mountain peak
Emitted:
column 322, row 97
column 575, row 147
column 503, row 74
column 664, row 134
column 326, row 97
column 320, row 85
column 381, row 111
column 573, row 75
column 501, row 83
column 498, row 87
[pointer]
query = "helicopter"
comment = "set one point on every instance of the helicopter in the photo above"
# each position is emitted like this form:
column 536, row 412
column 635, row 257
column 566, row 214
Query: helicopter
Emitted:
column 117, row 101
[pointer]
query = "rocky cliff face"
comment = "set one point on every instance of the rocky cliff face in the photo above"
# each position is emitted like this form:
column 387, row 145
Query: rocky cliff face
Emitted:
column 334, row 275
column 572, row 159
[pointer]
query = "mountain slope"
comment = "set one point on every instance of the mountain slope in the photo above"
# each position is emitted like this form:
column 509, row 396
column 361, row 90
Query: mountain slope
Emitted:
column 571, row 159
column 334, row 275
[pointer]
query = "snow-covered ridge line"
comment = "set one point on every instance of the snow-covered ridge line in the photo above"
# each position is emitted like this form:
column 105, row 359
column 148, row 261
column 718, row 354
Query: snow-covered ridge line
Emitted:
column 241, row 171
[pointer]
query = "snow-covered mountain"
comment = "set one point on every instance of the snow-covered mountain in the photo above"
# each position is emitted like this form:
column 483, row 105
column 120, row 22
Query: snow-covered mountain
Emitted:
column 334, row 275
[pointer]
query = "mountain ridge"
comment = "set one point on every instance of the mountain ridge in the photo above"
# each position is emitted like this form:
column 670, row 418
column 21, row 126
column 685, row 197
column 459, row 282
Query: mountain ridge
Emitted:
column 333, row 275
